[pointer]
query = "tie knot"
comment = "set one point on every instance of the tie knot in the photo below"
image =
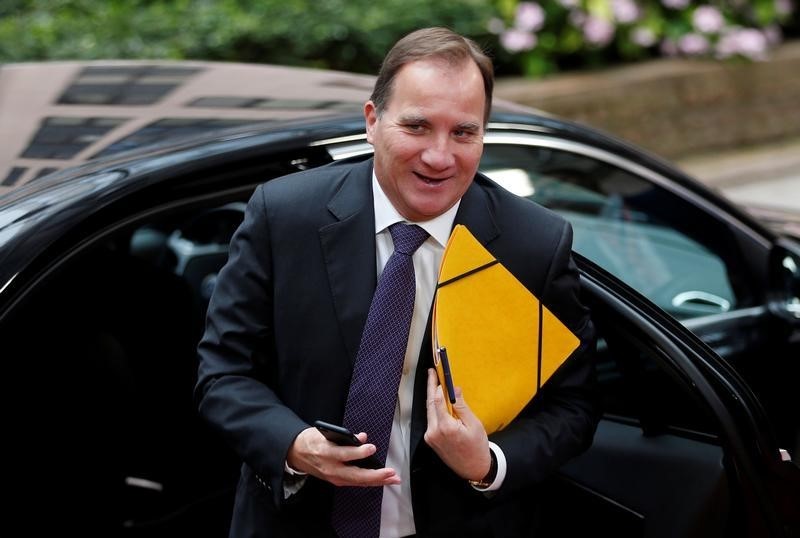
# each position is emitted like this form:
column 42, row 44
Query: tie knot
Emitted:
column 407, row 237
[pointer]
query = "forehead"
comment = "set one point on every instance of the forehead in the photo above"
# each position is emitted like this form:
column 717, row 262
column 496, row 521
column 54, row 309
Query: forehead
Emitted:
column 435, row 82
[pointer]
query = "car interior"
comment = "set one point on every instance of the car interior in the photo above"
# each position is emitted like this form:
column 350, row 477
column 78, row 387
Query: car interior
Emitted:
column 108, row 339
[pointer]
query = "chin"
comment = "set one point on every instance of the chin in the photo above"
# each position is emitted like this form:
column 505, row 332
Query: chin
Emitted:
column 429, row 212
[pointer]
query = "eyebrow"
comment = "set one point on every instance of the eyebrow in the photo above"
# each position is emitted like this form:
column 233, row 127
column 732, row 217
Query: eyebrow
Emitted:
column 469, row 126
column 420, row 119
column 413, row 118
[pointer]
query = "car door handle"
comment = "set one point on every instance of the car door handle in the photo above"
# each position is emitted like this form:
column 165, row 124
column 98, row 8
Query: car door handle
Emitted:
column 701, row 299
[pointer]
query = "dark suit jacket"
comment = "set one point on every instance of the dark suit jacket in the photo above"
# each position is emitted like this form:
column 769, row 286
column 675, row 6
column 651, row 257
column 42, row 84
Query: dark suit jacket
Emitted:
column 283, row 330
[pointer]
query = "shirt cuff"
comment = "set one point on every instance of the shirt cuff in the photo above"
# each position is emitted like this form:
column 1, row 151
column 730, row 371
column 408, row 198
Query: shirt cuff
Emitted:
column 293, row 481
column 291, row 471
column 501, row 469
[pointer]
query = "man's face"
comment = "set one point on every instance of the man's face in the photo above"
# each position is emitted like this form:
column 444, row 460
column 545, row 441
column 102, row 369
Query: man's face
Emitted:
column 429, row 139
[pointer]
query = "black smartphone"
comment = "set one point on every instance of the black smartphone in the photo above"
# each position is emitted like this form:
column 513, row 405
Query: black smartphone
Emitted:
column 342, row 436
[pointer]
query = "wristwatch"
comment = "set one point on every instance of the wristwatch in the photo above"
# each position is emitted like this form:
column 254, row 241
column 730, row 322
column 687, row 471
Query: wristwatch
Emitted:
column 487, row 480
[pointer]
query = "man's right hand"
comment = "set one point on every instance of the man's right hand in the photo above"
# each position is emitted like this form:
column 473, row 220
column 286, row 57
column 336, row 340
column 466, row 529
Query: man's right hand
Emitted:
column 313, row 454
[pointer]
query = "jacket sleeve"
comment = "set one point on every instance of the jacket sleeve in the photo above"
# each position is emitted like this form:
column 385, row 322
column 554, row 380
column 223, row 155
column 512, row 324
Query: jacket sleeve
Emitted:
column 236, row 356
column 559, row 423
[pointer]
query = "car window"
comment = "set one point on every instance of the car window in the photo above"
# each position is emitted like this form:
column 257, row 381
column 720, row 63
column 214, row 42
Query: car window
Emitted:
column 646, row 236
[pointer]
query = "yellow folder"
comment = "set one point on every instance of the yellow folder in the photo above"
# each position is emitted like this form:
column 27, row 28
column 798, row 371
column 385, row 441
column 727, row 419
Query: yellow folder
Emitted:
column 502, row 343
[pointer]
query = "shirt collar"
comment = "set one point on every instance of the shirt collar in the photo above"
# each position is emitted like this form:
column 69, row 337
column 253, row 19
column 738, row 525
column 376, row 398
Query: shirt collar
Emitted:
column 385, row 215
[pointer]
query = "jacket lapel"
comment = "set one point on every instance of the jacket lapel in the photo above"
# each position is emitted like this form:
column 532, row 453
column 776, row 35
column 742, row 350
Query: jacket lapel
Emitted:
column 349, row 251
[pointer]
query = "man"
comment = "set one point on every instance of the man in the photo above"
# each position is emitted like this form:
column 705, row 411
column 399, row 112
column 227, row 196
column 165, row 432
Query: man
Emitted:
column 291, row 312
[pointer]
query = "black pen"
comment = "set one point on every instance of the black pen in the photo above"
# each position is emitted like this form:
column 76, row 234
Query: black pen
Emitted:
column 448, row 378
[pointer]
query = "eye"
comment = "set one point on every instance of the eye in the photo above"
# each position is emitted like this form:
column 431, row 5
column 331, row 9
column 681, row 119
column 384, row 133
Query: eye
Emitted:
column 464, row 134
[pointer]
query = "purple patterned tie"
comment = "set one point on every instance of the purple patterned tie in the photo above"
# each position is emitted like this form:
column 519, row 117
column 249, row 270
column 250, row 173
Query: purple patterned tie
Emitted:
column 376, row 375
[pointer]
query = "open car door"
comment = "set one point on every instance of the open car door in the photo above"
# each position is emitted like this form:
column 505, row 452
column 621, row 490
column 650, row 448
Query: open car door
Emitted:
column 684, row 448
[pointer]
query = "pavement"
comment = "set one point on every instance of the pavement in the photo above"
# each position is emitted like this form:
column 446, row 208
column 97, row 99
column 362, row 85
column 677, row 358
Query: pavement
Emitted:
column 765, row 179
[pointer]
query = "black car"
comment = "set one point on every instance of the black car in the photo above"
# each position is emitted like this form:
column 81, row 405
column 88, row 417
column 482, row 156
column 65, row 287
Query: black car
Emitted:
column 106, row 270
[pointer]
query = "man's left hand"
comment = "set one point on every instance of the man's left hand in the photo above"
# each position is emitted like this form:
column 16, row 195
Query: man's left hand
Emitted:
column 461, row 441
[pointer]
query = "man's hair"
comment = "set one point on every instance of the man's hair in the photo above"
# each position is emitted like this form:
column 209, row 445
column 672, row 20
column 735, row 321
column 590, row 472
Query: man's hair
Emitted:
column 428, row 43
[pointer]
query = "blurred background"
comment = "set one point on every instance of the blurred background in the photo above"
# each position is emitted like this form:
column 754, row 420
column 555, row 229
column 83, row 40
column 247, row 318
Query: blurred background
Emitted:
column 712, row 85
column 526, row 38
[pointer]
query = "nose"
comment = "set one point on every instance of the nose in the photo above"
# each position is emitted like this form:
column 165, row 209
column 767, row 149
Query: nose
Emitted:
column 438, row 155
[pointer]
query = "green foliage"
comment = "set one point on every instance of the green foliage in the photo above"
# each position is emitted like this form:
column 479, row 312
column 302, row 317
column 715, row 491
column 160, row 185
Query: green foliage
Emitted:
column 339, row 34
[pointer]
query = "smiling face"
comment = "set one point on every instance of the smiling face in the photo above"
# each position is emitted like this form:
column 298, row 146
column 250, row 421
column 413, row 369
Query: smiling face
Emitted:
column 428, row 139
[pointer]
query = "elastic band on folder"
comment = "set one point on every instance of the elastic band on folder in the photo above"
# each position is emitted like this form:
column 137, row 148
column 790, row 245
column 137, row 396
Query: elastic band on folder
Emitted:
column 464, row 275
column 539, row 351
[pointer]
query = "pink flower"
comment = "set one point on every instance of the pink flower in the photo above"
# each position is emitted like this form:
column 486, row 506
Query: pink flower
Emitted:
column 625, row 11
column 707, row 19
column 747, row 42
column 530, row 16
column 784, row 7
column 516, row 40
column 643, row 36
column 693, row 44
column 726, row 46
column 598, row 31
column 752, row 44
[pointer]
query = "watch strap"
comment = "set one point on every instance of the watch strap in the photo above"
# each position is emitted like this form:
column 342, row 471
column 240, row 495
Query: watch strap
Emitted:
column 487, row 480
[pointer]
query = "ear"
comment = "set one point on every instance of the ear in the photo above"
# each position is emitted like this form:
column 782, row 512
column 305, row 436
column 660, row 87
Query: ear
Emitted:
column 371, row 118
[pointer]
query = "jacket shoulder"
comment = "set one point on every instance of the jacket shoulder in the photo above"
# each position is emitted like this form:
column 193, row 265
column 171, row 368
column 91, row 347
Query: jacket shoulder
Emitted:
column 320, row 182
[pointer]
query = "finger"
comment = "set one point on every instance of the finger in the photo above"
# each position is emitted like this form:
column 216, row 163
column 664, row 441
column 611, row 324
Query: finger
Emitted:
column 342, row 470
column 430, row 395
column 351, row 475
column 440, row 407
column 346, row 454
column 356, row 476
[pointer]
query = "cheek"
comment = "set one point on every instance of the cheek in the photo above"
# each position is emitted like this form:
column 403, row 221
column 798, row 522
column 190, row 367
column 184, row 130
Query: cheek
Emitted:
column 402, row 149
column 473, row 152
column 469, row 158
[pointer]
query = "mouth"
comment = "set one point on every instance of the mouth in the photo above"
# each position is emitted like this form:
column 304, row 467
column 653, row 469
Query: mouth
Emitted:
column 430, row 180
